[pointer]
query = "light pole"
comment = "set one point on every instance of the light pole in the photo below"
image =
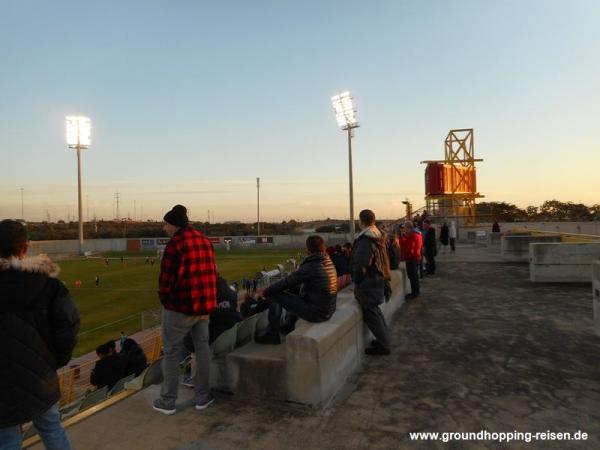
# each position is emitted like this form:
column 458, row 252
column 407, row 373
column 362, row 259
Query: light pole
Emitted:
column 22, row 205
column 258, row 206
column 78, row 137
column 345, row 114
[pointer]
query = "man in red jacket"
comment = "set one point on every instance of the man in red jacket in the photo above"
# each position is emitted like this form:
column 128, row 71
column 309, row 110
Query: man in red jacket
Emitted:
column 411, row 243
column 188, row 292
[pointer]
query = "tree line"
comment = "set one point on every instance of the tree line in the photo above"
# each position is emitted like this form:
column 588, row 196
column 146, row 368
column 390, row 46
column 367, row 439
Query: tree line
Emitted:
column 549, row 211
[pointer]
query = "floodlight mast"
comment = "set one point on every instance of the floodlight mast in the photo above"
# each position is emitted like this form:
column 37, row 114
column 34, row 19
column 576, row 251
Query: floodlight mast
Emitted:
column 78, row 137
column 345, row 112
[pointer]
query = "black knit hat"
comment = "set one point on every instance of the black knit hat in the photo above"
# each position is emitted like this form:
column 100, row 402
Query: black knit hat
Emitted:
column 177, row 216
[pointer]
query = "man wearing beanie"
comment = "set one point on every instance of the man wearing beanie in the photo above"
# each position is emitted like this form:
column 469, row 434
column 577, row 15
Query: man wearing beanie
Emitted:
column 188, row 293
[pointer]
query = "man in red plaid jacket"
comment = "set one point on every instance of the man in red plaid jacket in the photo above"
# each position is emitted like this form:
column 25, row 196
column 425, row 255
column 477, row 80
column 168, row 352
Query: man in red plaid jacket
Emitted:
column 188, row 292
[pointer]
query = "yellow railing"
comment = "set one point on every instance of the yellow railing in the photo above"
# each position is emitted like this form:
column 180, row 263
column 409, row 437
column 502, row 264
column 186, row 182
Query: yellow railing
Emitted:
column 74, row 381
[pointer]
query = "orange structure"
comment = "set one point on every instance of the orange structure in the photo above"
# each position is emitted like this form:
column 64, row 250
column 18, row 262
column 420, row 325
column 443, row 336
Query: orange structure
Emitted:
column 451, row 184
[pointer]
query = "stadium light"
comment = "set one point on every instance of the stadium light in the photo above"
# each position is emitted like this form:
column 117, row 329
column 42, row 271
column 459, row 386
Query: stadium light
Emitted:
column 79, row 137
column 345, row 115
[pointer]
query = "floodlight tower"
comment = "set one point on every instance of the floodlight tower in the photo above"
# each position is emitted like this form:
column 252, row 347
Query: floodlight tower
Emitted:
column 78, row 137
column 345, row 114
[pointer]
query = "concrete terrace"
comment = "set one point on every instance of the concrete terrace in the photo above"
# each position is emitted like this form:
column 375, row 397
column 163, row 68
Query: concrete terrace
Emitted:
column 481, row 349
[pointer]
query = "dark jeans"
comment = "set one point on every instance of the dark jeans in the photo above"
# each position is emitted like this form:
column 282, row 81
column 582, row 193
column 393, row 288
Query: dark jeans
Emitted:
column 430, row 269
column 296, row 308
column 453, row 243
column 413, row 276
column 375, row 321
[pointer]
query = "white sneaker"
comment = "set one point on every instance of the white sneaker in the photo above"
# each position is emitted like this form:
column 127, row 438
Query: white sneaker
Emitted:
column 205, row 405
column 159, row 406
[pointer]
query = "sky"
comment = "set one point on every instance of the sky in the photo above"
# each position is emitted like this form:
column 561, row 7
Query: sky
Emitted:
column 190, row 101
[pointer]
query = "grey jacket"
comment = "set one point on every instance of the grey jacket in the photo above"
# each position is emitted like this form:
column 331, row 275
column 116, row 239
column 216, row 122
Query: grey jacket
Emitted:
column 370, row 266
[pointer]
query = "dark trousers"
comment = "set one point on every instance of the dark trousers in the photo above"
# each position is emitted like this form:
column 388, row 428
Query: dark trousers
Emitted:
column 413, row 276
column 430, row 268
column 453, row 243
column 296, row 308
column 373, row 318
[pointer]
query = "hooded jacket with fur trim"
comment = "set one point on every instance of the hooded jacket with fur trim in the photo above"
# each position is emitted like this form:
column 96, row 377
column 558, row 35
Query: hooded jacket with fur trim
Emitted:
column 38, row 331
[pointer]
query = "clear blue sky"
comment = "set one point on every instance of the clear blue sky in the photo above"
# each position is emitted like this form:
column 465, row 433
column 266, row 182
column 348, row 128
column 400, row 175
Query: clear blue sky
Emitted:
column 191, row 100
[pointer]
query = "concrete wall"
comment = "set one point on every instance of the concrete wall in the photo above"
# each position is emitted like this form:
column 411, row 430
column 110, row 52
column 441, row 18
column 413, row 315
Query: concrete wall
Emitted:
column 516, row 248
column 562, row 262
column 596, row 292
column 71, row 247
column 316, row 359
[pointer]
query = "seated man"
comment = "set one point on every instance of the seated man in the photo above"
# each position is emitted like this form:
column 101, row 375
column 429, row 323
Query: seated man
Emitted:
column 133, row 358
column 317, row 280
column 108, row 369
column 225, row 315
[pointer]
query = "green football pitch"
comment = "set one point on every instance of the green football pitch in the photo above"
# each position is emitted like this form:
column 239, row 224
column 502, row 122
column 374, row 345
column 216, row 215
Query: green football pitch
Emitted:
column 126, row 289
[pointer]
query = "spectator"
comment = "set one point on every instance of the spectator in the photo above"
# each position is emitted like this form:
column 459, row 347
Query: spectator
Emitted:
column 112, row 347
column 251, row 306
column 38, row 328
column 429, row 247
column 133, row 358
column 411, row 243
column 108, row 369
column 340, row 261
column 496, row 227
column 444, row 236
column 421, row 232
column 393, row 249
column 188, row 293
column 317, row 280
column 452, row 235
column 370, row 268
column 224, row 317
column 225, row 314
column 347, row 250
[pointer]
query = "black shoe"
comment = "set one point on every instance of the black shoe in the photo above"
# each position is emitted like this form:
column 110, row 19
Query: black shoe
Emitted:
column 268, row 339
column 375, row 343
column 409, row 296
column 377, row 350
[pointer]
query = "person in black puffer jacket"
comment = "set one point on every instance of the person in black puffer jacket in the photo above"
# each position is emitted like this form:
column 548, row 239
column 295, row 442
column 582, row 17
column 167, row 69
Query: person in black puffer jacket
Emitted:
column 318, row 293
column 38, row 330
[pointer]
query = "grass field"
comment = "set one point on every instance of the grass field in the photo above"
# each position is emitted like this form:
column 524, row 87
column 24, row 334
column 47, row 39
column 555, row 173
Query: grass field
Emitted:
column 127, row 289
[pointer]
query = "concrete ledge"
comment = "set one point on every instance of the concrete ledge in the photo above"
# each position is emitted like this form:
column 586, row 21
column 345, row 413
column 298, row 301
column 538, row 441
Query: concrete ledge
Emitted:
column 316, row 358
column 258, row 371
column 596, row 293
column 562, row 262
column 515, row 248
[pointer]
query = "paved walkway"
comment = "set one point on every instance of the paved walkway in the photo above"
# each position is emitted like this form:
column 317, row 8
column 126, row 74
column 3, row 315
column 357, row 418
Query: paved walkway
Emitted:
column 482, row 349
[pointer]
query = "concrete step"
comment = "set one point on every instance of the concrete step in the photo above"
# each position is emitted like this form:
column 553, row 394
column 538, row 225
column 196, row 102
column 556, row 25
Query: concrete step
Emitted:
column 258, row 371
